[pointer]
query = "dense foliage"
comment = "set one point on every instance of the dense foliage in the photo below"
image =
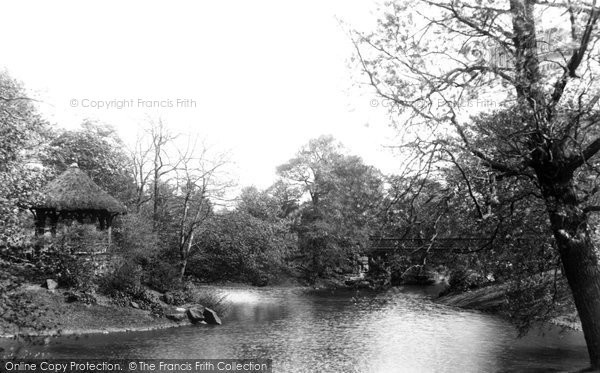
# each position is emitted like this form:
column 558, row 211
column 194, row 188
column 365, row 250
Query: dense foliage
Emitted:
column 22, row 136
column 250, row 244
column 98, row 151
column 344, row 197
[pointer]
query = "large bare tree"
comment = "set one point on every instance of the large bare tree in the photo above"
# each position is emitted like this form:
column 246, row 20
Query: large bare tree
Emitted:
column 514, row 84
column 200, row 182
column 193, row 174
column 152, row 162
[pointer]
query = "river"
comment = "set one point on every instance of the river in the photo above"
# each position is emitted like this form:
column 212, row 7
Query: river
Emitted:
column 400, row 330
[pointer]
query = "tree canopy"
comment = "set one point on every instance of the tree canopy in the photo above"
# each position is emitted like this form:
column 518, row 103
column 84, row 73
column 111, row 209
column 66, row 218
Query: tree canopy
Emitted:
column 22, row 135
column 98, row 151
column 336, row 221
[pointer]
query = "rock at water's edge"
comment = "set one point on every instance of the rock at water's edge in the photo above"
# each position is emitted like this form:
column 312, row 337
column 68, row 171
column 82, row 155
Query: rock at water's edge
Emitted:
column 196, row 314
column 211, row 317
column 176, row 316
column 51, row 284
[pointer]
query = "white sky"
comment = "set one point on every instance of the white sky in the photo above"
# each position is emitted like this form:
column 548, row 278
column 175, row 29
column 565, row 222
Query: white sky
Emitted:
column 266, row 76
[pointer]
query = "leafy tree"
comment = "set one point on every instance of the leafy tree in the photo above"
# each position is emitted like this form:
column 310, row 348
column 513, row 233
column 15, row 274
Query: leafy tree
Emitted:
column 98, row 151
column 258, row 204
column 344, row 197
column 535, row 96
column 287, row 197
column 238, row 246
column 22, row 134
column 272, row 204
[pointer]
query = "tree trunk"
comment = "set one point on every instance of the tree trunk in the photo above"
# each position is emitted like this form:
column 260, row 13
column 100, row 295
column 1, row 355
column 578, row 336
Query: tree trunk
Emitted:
column 579, row 257
column 182, row 260
column 155, row 202
column 184, row 253
column 182, row 268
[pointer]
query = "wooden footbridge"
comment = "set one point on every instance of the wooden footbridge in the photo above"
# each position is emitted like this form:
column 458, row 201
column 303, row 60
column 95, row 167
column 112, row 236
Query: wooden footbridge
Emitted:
column 410, row 246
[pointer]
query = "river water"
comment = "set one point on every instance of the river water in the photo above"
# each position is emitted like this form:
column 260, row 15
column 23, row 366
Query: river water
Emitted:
column 400, row 330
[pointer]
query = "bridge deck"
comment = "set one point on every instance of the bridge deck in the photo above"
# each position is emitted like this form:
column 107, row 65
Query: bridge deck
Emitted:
column 409, row 246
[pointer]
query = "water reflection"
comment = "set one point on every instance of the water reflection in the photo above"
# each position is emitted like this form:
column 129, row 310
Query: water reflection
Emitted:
column 396, row 331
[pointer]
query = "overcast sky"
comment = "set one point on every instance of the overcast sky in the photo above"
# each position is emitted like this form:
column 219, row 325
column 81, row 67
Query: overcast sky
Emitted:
column 259, row 78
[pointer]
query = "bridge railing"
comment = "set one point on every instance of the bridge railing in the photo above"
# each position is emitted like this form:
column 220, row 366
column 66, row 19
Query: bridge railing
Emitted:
column 464, row 245
column 415, row 245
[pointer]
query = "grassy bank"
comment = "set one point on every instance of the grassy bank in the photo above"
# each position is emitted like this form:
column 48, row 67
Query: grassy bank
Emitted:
column 54, row 316
column 29, row 309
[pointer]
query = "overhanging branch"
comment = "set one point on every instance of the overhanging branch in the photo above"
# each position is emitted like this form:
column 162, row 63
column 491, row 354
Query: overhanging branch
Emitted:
column 591, row 150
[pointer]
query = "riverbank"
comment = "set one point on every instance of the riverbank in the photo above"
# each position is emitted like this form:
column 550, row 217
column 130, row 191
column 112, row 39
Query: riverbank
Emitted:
column 493, row 299
column 55, row 316
column 50, row 314
column 33, row 305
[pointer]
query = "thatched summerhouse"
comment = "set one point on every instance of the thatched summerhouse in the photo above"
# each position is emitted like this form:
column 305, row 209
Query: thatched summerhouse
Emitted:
column 74, row 196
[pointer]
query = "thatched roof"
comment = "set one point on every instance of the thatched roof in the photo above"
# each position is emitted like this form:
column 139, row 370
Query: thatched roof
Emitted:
column 73, row 190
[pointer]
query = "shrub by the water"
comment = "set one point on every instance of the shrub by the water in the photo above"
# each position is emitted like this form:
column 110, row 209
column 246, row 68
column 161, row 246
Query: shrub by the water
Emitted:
column 214, row 301
column 18, row 307
column 176, row 298
column 207, row 297
column 124, row 286
column 82, row 297
column 162, row 276
column 192, row 294
column 463, row 279
column 125, row 277
column 75, row 272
